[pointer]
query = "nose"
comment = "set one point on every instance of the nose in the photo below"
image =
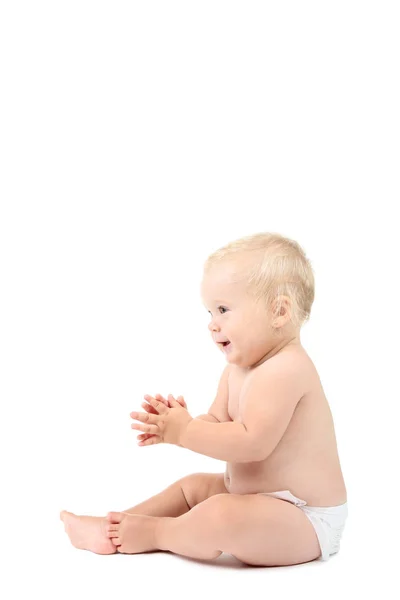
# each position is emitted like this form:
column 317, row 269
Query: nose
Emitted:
column 212, row 326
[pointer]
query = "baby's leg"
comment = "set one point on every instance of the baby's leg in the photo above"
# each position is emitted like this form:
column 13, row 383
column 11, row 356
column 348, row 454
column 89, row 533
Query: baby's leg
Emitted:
column 181, row 496
column 90, row 533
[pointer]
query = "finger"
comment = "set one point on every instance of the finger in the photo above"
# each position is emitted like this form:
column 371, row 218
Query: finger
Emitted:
column 144, row 436
column 182, row 400
column 154, row 439
column 148, row 408
column 158, row 397
column 144, row 417
column 173, row 402
column 159, row 406
column 172, row 399
column 150, row 422
column 179, row 399
column 145, row 428
column 161, row 398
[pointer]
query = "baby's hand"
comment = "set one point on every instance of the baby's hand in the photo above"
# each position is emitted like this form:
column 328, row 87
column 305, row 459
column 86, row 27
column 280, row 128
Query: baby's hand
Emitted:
column 166, row 423
column 150, row 409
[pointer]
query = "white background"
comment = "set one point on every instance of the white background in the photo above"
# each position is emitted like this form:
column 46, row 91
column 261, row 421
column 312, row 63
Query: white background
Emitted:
column 137, row 138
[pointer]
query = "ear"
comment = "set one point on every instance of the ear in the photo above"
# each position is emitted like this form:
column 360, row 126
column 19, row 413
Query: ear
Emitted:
column 281, row 309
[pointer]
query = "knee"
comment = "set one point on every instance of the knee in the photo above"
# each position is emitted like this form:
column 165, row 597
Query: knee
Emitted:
column 191, row 486
column 190, row 483
column 218, row 509
column 188, row 479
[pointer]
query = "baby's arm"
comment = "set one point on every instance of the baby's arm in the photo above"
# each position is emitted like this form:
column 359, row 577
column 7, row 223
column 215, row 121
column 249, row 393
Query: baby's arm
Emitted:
column 148, row 408
column 268, row 400
column 229, row 442
column 142, row 437
column 217, row 413
column 208, row 417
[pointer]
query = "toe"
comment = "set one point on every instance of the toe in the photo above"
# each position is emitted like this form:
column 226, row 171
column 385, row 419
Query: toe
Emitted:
column 114, row 517
column 113, row 529
column 116, row 541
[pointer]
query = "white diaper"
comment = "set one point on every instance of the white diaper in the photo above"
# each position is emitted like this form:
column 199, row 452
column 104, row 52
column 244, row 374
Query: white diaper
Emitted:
column 328, row 521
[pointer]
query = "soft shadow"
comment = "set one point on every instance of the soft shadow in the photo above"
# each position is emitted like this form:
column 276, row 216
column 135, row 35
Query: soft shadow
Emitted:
column 228, row 561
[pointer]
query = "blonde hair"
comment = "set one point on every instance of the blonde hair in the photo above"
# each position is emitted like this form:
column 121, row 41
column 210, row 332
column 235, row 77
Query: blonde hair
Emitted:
column 274, row 266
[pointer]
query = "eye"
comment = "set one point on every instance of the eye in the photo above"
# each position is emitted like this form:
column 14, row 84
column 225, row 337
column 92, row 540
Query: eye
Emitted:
column 223, row 307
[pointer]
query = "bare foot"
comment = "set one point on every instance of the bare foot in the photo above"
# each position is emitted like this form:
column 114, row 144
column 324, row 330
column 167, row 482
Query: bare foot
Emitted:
column 88, row 533
column 131, row 534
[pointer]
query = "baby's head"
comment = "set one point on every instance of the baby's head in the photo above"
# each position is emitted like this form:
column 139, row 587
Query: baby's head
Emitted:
column 259, row 290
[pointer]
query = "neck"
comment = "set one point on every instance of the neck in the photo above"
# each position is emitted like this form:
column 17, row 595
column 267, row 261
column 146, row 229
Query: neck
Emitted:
column 279, row 347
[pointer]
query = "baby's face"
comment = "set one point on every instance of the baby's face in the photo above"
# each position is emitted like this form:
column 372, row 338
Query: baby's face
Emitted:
column 235, row 316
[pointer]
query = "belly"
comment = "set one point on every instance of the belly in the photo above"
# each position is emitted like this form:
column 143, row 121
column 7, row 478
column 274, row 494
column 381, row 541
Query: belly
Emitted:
column 318, row 485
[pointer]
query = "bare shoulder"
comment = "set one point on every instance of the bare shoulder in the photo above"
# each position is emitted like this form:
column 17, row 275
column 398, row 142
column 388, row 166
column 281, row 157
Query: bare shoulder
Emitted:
column 292, row 365
column 296, row 359
column 268, row 399
column 293, row 360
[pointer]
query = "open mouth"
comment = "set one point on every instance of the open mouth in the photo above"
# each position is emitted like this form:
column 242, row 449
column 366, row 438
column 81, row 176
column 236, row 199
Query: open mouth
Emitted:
column 225, row 343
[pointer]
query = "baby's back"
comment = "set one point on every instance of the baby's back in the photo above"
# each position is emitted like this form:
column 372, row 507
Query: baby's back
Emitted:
column 306, row 460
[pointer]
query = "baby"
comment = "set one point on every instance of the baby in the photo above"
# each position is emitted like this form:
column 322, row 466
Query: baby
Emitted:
column 282, row 499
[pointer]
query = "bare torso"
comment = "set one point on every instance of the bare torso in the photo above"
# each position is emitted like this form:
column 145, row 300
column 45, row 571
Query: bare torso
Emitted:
column 306, row 460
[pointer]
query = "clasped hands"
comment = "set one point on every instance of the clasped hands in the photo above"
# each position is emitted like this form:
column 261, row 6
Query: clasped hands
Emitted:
column 163, row 422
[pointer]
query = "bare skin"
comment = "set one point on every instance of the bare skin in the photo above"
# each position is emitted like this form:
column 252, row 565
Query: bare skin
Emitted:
column 118, row 532
column 88, row 533
column 306, row 460
column 132, row 534
column 293, row 466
